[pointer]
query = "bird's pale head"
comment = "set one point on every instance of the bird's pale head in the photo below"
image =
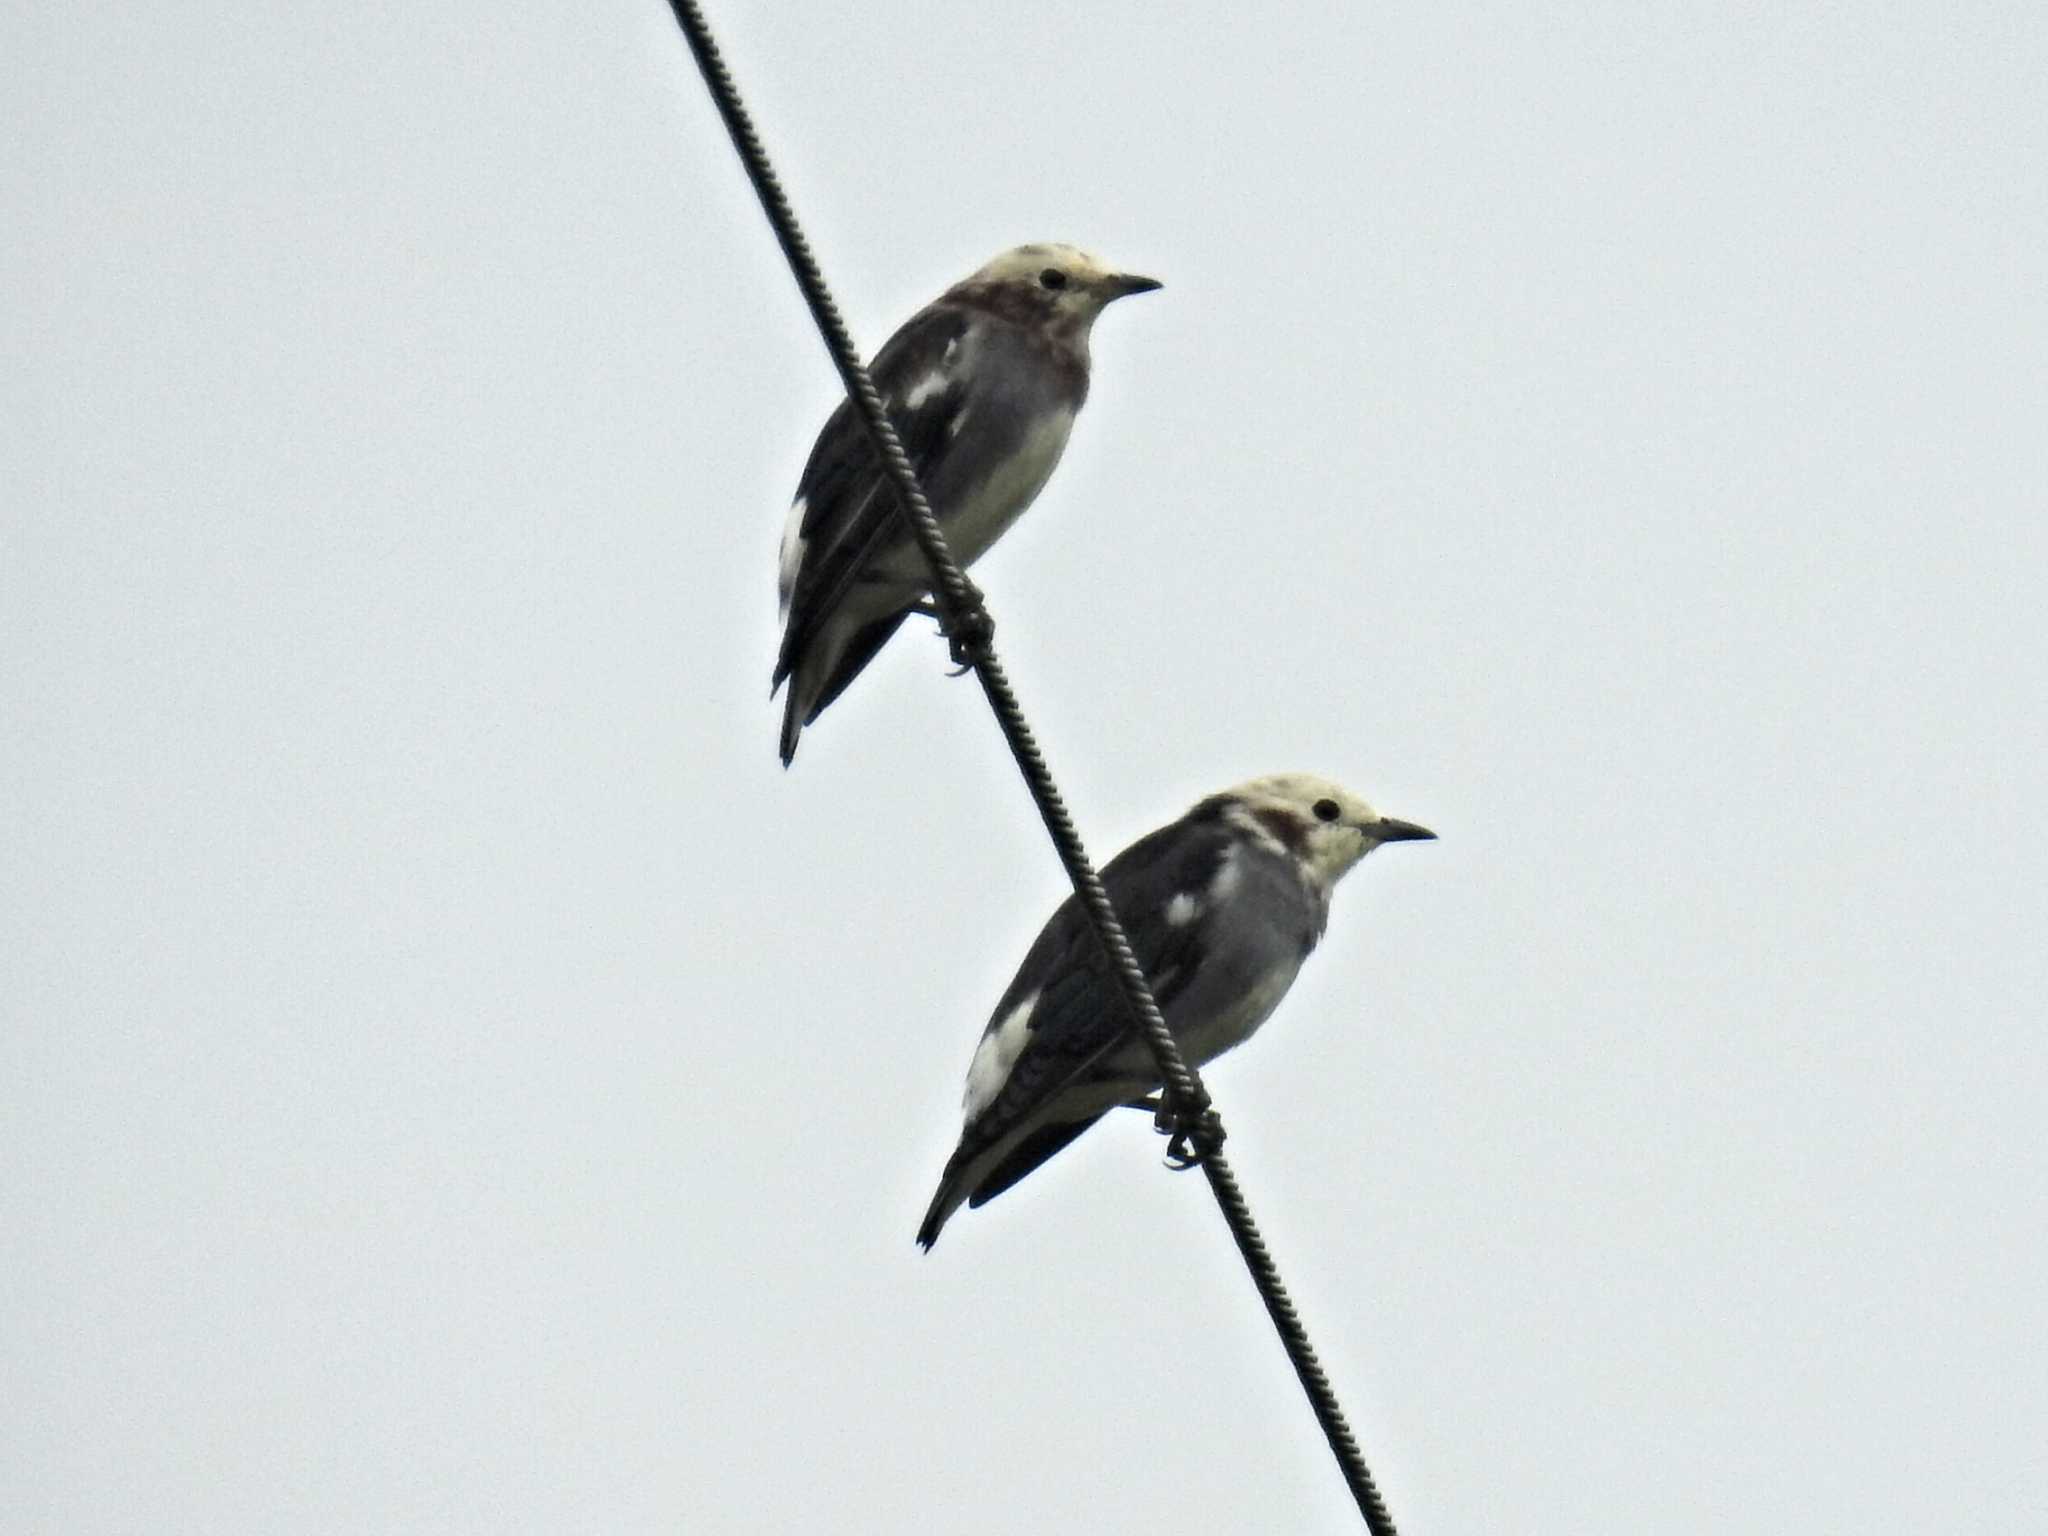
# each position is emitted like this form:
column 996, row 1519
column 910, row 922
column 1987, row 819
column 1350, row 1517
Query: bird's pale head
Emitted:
column 1322, row 824
column 1055, row 287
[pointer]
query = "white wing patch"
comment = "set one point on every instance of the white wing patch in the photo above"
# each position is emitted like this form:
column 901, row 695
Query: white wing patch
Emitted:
column 1228, row 877
column 924, row 389
column 940, row 376
column 793, row 545
column 1000, row 1047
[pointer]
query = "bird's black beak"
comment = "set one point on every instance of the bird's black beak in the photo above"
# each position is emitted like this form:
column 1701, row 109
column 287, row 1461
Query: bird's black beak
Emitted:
column 1388, row 830
column 1124, row 284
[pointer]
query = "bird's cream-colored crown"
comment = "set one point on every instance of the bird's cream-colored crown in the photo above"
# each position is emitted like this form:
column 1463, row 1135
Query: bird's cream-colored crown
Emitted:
column 1318, row 821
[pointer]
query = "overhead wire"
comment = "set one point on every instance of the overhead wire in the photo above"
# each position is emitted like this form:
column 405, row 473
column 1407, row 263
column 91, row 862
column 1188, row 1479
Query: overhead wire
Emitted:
column 1185, row 1112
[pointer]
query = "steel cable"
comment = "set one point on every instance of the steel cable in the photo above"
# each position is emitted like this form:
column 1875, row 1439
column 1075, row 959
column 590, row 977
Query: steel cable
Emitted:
column 1185, row 1110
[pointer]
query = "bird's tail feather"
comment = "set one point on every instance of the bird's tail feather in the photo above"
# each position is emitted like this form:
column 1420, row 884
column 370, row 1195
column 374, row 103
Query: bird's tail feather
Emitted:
column 858, row 651
column 820, row 669
column 792, row 725
column 972, row 1180
column 1025, row 1156
column 954, row 1185
column 944, row 1204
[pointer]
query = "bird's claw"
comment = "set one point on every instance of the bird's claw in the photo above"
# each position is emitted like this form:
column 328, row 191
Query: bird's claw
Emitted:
column 969, row 629
column 1191, row 1141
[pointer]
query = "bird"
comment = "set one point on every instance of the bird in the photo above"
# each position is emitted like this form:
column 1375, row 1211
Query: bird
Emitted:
column 982, row 385
column 1221, row 908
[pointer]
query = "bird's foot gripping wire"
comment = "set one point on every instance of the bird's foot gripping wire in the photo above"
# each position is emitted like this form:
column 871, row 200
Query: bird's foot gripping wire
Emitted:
column 968, row 628
column 1193, row 1136
column 1190, row 1146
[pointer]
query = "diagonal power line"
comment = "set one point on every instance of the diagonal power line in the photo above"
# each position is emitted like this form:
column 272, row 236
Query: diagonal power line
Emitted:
column 1186, row 1111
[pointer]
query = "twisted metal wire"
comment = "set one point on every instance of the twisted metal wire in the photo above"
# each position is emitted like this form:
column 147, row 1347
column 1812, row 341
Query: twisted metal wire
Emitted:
column 1185, row 1109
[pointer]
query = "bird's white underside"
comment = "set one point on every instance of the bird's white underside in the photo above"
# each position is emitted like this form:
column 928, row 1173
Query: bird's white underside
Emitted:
column 1207, row 1038
column 985, row 514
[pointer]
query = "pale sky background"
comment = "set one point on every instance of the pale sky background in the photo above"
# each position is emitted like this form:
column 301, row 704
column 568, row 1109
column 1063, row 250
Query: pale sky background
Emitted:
column 457, row 1081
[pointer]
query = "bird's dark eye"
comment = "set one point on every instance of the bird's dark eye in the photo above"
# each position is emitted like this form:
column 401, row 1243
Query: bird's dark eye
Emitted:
column 1052, row 277
column 1328, row 810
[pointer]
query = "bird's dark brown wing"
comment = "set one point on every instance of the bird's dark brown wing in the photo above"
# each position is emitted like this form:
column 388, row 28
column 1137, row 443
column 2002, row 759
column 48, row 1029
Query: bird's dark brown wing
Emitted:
column 849, row 507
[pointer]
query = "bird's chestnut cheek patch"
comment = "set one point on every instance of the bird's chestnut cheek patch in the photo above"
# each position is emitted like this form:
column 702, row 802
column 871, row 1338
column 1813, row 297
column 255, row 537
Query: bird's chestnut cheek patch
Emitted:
column 1291, row 830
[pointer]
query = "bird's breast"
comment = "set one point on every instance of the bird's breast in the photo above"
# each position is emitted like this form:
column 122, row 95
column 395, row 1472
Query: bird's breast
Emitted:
column 1238, row 1018
column 1018, row 465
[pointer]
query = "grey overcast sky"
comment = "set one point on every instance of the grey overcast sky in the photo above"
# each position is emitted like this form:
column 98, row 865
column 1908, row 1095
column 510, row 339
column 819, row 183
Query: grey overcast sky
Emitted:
column 456, row 1081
